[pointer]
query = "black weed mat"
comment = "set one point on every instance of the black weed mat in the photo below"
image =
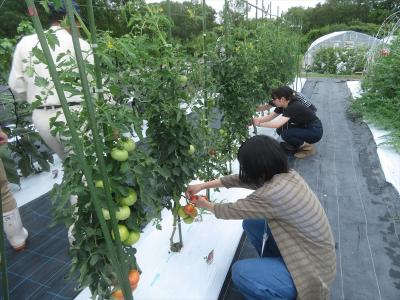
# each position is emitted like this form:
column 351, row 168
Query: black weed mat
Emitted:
column 39, row 271
column 363, row 209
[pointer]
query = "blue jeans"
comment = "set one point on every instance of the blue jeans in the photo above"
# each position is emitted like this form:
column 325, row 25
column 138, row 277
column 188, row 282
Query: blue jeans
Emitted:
column 296, row 136
column 267, row 277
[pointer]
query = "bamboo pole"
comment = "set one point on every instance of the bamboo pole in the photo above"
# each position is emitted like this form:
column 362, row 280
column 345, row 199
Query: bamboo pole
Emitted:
column 205, row 69
column 226, row 18
column 78, row 148
column 262, row 11
column 170, row 20
column 204, row 59
column 256, row 10
column 121, row 268
column 92, row 27
column 3, row 262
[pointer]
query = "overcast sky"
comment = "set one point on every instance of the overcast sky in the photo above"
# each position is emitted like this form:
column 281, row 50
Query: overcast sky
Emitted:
column 277, row 5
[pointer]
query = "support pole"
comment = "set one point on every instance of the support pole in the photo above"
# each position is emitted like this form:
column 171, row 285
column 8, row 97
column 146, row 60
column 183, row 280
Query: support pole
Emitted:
column 3, row 262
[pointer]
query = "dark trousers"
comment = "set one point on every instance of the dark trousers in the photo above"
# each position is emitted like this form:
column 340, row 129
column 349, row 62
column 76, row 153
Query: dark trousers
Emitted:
column 296, row 136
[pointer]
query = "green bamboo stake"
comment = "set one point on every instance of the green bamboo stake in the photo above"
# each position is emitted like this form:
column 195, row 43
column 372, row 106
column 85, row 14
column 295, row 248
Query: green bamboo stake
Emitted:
column 226, row 17
column 262, row 11
column 204, row 58
column 93, row 38
column 3, row 262
column 121, row 268
column 256, row 10
column 75, row 139
column 170, row 19
column 205, row 71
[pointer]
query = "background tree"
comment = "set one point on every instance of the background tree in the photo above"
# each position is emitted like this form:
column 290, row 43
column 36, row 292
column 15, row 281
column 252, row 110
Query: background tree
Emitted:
column 187, row 18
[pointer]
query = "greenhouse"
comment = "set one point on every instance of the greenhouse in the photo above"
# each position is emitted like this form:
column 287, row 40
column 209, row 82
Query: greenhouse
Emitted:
column 339, row 39
column 181, row 150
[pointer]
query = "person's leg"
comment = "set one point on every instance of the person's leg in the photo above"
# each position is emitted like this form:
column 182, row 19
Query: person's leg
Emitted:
column 303, row 139
column 297, row 136
column 12, row 224
column 255, row 230
column 270, row 248
column 263, row 279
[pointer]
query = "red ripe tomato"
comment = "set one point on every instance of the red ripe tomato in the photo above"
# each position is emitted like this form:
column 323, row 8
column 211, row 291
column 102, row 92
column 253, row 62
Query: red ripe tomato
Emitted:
column 117, row 295
column 189, row 209
column 193, row 198
column 385, row 52
column 134, row 277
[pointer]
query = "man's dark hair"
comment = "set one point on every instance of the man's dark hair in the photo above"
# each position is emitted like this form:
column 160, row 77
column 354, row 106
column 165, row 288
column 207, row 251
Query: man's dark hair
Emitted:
column 57, row 11
column 260, row 158
column 283, row 91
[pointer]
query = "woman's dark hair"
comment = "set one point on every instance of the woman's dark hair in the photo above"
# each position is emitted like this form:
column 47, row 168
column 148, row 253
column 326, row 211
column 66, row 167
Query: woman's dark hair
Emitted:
column 260, row 158
column 283, row 91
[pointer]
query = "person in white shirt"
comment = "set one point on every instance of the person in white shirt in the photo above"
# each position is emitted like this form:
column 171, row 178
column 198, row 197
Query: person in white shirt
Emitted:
column 26, row 69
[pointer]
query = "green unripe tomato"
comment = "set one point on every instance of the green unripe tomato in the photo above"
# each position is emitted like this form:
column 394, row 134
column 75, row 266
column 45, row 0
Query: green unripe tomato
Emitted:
column 128, row 145
column 99, row 184
column 132, row 238
column 106, row 213
column 182, row 79
column 191, row 150
column 123, row 232
column 130, row 199
column 119, row 155
column 188, row 220
column 123, row 213
column 182, row 213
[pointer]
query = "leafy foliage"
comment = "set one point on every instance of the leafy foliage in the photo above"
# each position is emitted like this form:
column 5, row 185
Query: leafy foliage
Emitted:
column 380, row 102
column 330, row 60
column 249, row 61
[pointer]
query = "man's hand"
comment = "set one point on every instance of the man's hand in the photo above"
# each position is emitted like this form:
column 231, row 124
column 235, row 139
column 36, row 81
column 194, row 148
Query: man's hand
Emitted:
column 3, row 138
column 256, row 121
column 193, row 190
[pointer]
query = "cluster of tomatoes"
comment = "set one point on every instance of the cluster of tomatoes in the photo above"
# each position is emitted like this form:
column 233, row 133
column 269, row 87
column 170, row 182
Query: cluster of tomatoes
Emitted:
column 189, row 211
column 133, row 277
column 121, row 152
column 122, row 213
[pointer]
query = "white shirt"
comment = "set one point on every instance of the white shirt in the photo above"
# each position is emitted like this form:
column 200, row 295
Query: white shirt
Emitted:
column 21, row 80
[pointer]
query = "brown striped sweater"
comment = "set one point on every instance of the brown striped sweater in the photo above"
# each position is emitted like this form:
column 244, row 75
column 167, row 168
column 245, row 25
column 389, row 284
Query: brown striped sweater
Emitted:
column 298, row 224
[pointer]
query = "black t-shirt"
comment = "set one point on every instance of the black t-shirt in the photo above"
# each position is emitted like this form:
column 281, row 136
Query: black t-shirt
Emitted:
column 298, row 114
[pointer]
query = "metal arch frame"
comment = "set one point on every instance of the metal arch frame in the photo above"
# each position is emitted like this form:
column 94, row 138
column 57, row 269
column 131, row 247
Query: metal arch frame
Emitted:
column 382, row 35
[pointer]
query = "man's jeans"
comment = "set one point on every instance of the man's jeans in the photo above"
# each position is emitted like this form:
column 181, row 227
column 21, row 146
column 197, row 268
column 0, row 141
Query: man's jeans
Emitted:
column 266, row 277
column 296, row 136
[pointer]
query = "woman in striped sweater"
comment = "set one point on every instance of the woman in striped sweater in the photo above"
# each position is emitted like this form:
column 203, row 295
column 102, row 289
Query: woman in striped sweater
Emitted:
column 284, row 221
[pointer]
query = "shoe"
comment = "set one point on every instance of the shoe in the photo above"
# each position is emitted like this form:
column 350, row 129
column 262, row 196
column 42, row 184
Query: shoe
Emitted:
column 305, row 150
column 16, row 234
